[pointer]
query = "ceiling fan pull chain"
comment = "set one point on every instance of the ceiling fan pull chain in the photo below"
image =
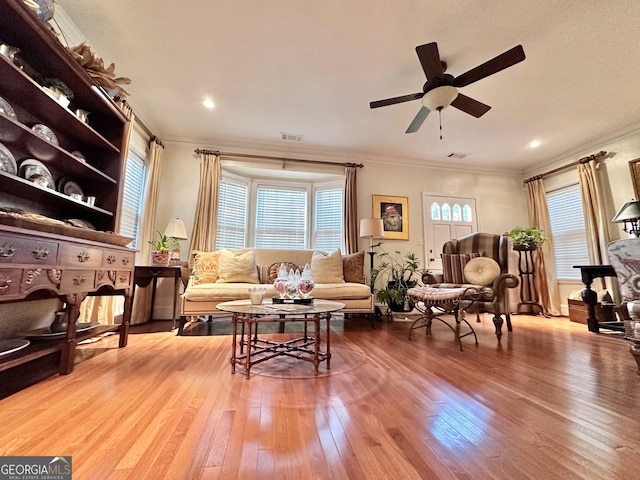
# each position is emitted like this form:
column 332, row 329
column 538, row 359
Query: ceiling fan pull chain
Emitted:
column 440, row 120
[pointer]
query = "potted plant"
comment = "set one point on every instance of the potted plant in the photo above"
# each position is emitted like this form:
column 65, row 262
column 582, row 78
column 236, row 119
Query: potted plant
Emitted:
column 57, row 89
column 161, row 253
column 399, row 271
column 526, row 238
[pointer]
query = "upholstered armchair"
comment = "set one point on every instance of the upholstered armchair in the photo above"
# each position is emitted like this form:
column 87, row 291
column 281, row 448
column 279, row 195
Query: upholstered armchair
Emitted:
column 624, row 256
column 459, row 271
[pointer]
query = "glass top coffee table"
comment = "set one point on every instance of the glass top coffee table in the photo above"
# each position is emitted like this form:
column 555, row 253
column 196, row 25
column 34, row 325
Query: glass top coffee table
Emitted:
column 251, row 349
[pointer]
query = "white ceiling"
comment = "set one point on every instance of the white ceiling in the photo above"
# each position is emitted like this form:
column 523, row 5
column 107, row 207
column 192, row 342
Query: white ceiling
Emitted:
column 311, row 67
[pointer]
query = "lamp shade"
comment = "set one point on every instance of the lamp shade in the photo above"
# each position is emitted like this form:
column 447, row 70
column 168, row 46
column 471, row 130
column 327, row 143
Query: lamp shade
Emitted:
column 371, row 228
column 176, row 229
column 629, row 211
column 439, row 97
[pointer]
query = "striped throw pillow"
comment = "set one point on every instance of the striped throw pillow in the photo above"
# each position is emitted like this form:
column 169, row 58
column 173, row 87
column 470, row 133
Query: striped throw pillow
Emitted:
column 453, row 266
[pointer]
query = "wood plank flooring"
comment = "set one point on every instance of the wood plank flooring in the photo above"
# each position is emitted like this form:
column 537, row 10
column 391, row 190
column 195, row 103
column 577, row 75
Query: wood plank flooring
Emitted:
column 552, row 401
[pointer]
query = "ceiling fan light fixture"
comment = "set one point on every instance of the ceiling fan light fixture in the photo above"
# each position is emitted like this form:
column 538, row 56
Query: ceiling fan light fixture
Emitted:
column 439, row 97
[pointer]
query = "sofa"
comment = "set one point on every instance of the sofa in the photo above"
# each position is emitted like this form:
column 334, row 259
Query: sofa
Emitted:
column 227, row 275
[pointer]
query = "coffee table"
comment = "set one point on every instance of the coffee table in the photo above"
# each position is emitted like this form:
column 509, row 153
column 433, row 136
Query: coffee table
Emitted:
column 260, row 348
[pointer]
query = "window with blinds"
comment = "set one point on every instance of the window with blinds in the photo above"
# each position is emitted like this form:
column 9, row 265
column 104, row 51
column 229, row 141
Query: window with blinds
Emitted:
column 232, row 215
column 281, row 217
column 327, row 220
column 567, row 231
column 134, row 179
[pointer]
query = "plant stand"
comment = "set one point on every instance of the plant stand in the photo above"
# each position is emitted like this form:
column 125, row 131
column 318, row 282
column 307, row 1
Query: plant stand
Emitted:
column 527, row 274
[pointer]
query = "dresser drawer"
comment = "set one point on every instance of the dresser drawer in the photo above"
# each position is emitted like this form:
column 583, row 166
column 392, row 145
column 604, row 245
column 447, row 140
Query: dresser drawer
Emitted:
column 113, row 259
column 27, row 250
column 10, row 279
column 80, row 256
column 77, row 281
column 123, row 278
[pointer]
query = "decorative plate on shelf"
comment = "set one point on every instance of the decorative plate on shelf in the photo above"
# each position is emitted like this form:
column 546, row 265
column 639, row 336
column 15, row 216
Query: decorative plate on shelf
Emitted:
column 12, row 345
column 46, row 333
column 77, row 222
column 45, row 132
column 6, row 109
column 71, row 188
column 36, row 172
column 7, row 162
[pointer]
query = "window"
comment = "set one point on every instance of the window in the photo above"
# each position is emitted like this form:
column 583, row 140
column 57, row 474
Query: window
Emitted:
column 327, row 219
column 232, row 215
column 134, row 179
column 567, row 231
column 281, row 217
column 276, row 214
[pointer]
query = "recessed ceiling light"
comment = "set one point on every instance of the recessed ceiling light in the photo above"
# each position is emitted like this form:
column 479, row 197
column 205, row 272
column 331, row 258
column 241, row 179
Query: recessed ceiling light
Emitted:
column 534, row 144
column 208, row 103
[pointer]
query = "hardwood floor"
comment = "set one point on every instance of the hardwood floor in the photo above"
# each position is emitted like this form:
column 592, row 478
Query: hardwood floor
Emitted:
column 553, row 401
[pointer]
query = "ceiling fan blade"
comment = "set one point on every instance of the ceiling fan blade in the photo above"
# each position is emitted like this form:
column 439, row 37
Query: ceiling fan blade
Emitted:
column 394, row 100
column 417, row 121
column 502, row 61
column 470, row 106
column 430, row 60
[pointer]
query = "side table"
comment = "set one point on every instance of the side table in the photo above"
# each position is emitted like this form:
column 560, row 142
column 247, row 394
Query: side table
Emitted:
column 145, row 274
column 589, row 273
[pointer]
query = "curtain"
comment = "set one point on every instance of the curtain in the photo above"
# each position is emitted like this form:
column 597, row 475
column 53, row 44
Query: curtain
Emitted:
column 203, row 236
column 596, row 225
column 350, row 209
column 545, row 280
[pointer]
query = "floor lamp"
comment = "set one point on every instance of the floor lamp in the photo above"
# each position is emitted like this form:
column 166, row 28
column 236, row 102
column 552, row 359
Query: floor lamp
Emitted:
column 371, row 228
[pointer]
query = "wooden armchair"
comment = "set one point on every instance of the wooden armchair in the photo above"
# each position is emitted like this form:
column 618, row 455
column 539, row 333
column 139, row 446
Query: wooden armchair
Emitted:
column 458, row 253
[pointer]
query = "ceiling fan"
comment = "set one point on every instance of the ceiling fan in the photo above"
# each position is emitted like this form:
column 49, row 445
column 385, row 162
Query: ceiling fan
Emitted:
column 441, row 89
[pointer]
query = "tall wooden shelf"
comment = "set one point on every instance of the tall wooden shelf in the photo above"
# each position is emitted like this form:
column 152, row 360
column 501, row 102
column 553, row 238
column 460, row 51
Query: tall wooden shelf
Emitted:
column 36, row 260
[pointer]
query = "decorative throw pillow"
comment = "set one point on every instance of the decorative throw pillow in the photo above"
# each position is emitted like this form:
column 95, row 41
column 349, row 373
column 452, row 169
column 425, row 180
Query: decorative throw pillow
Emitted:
column 453, row 266
column 353, row 267
column 263, row 274
column 205, row 267
column 240, row 268
column 327, row 268
column 481, row 271
column 273, row 269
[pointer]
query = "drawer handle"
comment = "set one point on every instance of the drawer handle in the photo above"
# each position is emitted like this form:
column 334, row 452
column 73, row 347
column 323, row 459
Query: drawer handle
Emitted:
column 41, row 253
column 7, row 251
column 111, row 259
column 79, row 280
column 83, row 257
column 124, row 279
column 5, row 284
column 126, row 260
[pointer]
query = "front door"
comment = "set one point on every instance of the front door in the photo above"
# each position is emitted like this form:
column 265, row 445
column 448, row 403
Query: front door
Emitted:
column 445, row 217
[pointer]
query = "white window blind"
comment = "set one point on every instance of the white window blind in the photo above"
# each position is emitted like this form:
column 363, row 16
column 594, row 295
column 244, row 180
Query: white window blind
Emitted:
column 327, row 233
column 232, row 215
column 281, row 217
column 567, row 231
column 134, row 179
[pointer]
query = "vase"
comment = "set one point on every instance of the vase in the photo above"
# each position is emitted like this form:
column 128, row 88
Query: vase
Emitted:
column 60, row 322
column 160, row 258
column 280, row 283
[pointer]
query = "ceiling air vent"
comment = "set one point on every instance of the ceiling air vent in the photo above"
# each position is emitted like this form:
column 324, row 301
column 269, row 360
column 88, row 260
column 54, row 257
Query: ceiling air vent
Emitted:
column 456, row 155
column 292, row 137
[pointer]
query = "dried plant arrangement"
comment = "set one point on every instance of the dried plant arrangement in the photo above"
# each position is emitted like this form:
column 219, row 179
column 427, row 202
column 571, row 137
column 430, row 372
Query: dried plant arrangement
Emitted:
column 94, row 65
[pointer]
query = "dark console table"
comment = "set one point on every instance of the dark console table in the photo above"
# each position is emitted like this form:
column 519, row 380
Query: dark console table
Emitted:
column 589, row 273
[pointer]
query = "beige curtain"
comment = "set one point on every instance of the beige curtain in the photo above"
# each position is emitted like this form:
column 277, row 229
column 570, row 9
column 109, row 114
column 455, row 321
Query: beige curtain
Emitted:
column 545, row 279
column 203, row 236
column 350, row 209
column 596, row 225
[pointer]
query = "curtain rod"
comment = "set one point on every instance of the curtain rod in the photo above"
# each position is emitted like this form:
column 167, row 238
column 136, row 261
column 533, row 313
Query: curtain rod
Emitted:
column 142, row 125
column 266, row 157
column 595, row 156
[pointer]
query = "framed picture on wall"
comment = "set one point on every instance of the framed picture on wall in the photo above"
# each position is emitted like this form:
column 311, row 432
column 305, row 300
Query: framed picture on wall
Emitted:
column 394, row 212
column 634, row 166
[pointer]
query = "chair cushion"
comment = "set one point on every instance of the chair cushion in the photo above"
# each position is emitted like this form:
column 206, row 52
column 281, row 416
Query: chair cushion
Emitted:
column 327, row 268
column 481, row 271
column 205, row 267
column 353, row 267
column 453, row 266
column 237, row 268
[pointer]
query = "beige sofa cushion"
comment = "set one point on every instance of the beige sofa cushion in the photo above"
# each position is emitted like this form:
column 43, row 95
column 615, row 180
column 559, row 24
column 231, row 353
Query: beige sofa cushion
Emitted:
column 353, row 267
column 237, row 267
column 327, row 268
column 481, row 271
column 205, row 267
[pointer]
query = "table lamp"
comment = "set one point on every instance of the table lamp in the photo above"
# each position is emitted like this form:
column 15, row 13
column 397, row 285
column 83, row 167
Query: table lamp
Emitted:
column 176, row 230
column 371, row 228
column 629, row 214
